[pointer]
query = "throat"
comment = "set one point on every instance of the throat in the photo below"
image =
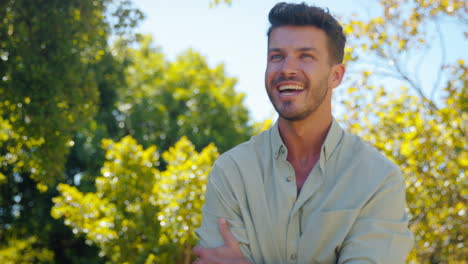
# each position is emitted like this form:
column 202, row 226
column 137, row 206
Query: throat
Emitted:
column 303, row 169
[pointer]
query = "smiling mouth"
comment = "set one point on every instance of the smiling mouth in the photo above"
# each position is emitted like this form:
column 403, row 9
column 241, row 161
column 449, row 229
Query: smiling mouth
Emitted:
column 290, row 89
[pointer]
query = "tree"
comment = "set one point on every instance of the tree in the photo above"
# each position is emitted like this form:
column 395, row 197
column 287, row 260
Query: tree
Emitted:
column 167, row 100
column 425, row 136
column 23, row 251
column 63, row 90
column 159, row 102
column 139, row 214
column 49, row 89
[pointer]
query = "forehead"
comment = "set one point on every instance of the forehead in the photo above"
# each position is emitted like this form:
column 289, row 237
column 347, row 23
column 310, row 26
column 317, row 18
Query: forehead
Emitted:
column 297, row 37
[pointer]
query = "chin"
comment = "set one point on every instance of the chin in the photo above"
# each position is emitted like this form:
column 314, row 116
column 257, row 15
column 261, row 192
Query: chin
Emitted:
column 293, row 116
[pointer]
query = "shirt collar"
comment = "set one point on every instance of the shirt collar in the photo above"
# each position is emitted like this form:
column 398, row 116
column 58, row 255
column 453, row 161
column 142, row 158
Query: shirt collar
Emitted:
column 277, row 146
column 333, row 138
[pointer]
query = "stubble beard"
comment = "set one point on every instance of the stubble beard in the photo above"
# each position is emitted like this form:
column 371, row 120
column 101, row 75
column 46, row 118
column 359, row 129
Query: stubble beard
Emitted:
column 300, row 114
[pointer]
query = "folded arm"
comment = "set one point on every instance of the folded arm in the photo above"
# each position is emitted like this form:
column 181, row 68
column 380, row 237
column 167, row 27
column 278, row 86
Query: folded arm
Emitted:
column 220, row 202
column 380, row 234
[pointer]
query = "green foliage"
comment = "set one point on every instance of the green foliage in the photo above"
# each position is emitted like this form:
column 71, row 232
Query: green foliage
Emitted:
column 182, row 189
column 156, row 102
column 86, row 156
column 261, row 126
column 139, row 214
column 43, row 102
column 52, row 75
column 167, row 100
column 110, row 217
column 24, row 251
column 425, row 137
column 63, row 90
column 47, row 92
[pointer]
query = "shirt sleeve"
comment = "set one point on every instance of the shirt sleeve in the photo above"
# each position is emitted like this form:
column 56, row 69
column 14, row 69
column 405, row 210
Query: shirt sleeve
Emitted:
column 380, row 234
column 220, row 201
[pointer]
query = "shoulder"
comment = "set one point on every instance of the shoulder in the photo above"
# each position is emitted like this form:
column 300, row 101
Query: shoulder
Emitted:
column 358, row 172
column 250, row 151
column 364, row 153
column 243, row 163
column 367, row 164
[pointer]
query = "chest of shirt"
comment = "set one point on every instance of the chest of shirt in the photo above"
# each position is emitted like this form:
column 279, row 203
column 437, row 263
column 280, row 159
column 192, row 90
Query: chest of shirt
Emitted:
column 305, row 228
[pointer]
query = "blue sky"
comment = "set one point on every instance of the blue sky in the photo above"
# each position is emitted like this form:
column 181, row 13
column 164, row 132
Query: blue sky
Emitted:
column 235, row 35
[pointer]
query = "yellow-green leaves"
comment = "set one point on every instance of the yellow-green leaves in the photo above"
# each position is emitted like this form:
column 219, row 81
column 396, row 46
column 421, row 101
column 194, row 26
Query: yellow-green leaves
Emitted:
column 390, row 105
column 85, row 213
column 139, row 214
column 182, row 189
column 429, row 150
column 261, row 126
column 24, row 251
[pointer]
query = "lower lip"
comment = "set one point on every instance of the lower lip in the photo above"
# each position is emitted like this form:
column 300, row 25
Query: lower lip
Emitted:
column 290, row 94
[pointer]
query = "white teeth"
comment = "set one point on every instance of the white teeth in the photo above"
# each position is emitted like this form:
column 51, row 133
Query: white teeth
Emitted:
column 291, row 87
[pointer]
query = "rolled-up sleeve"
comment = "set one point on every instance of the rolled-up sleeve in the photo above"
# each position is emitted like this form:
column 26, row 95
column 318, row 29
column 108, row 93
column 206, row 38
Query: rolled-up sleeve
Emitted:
column 220, row 201
column 380, row 234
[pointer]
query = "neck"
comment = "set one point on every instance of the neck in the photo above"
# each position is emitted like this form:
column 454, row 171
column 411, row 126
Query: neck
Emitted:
column 305, row 138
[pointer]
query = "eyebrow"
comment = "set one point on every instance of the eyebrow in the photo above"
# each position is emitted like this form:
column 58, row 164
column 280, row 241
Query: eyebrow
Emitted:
column 309, row 49
column 300, row 49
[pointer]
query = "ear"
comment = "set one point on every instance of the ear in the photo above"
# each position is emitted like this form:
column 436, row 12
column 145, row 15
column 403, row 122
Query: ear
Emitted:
column 336, row 75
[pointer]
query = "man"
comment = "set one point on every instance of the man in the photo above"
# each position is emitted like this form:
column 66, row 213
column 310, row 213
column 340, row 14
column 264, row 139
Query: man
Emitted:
column 304, row 191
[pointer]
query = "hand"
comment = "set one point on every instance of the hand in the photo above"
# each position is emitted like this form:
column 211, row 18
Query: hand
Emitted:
column 230, row 253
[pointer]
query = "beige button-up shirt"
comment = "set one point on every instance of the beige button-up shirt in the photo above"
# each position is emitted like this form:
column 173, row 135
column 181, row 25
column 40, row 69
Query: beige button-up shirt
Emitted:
column 351, row 208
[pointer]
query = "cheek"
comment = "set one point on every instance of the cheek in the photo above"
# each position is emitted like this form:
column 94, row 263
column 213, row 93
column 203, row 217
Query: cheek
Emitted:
column 269, row 75
column 310, row 69
column 272, row 69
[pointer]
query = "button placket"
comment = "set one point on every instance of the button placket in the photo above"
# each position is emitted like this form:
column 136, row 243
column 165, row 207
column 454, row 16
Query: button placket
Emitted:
column 293, row 238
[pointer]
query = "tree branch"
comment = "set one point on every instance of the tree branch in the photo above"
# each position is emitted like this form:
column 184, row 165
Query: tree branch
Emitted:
column 419, row 64
column 416, row 87
column 442, row 60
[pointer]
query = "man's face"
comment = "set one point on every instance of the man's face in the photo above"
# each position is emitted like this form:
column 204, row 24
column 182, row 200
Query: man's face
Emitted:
column 298, row 70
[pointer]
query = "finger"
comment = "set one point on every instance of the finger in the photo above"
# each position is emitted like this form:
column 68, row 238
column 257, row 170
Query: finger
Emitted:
column 200, row 252
column 229, row 239
column 196, row 251
column 200, row 261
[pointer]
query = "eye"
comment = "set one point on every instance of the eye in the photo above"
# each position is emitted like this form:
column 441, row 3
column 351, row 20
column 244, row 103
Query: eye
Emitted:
column 307, row 56
column 275, row 57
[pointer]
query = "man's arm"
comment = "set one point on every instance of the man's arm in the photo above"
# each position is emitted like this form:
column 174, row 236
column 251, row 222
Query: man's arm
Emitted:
column 230, row 253
column 381, row 234
column 221, row 202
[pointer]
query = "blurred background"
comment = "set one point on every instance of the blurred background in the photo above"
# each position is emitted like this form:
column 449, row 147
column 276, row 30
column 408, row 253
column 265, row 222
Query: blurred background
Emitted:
column 113, row 111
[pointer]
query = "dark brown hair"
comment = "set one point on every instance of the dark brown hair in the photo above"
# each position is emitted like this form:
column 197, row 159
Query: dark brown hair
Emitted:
column 290, row 14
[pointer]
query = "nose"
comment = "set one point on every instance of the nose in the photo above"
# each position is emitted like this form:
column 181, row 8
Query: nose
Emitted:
column 289, row 66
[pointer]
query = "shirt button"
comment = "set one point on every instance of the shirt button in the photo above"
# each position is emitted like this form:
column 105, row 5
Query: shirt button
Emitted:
column 289, row 178
column 293, row 256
